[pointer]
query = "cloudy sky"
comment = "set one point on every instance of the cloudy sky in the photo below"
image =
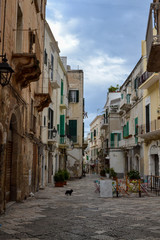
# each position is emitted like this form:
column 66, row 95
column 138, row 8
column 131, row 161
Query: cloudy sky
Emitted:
column 101, row 37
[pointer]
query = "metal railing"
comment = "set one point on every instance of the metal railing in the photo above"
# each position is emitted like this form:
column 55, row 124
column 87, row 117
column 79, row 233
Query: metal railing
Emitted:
column 144, row 77
column 152, row 23
column 150, row 127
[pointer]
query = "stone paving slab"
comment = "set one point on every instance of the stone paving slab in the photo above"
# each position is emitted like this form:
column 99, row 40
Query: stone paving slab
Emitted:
column 52, row 215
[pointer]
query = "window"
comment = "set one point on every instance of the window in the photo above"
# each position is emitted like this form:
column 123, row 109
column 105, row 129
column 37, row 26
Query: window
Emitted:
column 136, row 129
column 128, row 98
column 61, row 91
column 94, row 133
column 112, row 140
column 147, row 118
column 74, row 96
column 73, row 130
column 19, row 30
column 122, row 96
column 62, row 125
column 52, row 63
column 45, row 57
column 50, row 123
column 126, row 130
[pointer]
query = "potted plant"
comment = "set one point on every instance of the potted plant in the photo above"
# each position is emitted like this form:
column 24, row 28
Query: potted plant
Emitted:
column 113, row 174
column 59, row 179
column 66, row 176
column 103, row 173
column 133, row 174
column 107, row 172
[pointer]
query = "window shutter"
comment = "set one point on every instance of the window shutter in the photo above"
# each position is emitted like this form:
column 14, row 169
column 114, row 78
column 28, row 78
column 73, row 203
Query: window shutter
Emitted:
column 136, row 125
column 52, row 61
column 127, row 130
column 77, row 95
column 62, row 128
column 112, row 140
column 69, row 96
column 91, row 136
column 58, row 128
column 61, row 87
column 73, row 130
column 119, row 137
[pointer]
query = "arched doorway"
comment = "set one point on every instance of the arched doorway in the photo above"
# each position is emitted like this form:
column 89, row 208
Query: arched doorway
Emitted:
column 154, row 161
column 11, row 161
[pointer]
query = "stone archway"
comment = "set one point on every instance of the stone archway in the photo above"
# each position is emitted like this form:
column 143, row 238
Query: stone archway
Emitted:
column 154, row 163
column 11, row 161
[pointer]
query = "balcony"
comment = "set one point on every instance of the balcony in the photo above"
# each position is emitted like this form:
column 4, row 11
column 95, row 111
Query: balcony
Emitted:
column 150, row 131
column 128, row 143
column 51, row 138
column 26, row 59
column 124, row 105
column 26, row 67
column 153, row 39
column 104, row 123
column 63, row 142
column 56, row 81
column 42, row 100
column 150, row 81
column 64, row 103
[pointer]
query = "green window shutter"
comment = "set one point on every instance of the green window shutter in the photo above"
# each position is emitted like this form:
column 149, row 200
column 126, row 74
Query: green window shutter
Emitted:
column 73, row 130
column 112, row 139
column 77, row 95
column 127, row 130
column 91, row 136
column 62, row 125
column 122, row 96
column 119, row 136
column 124, row 131
column 61, row 87
column 58, row 128
column 136, row 125
column 128, row 98
column 136, row 130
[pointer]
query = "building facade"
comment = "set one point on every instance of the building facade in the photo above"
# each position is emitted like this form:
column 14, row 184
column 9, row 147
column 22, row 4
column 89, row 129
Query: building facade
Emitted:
column 21, row 101
column 75, row 122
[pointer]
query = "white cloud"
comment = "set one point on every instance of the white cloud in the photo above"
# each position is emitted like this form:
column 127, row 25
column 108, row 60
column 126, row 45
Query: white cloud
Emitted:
column 62, row 30
column 101, row 69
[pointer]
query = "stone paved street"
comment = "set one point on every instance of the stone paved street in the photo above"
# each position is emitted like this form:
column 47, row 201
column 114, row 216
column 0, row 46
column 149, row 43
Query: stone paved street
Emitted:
column 53, row 215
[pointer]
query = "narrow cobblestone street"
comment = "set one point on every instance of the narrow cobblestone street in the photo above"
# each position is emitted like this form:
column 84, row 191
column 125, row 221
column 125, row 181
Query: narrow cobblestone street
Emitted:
column 84, row 215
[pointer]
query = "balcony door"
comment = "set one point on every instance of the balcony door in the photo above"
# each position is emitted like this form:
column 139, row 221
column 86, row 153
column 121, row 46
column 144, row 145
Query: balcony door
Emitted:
column 148, row 118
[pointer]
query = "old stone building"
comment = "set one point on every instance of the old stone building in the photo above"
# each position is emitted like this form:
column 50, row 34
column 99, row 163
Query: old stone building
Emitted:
column 21, row 101
column 75, row 122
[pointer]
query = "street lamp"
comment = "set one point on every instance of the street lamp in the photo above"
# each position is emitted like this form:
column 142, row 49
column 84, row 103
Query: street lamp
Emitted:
column 5, row 71
column 54, row 132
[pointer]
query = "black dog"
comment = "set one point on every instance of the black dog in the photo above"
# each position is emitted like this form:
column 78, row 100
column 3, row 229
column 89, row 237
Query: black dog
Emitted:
column 69, row 192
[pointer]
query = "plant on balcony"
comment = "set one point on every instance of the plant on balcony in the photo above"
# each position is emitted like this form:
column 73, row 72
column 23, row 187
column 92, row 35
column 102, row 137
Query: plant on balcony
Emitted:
column 133, row 174
column 113, row 89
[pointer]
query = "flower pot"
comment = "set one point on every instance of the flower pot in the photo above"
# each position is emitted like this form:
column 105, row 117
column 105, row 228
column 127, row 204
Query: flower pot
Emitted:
column 59, row 184
column 65, row 183
column 107, row 175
